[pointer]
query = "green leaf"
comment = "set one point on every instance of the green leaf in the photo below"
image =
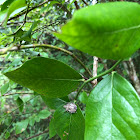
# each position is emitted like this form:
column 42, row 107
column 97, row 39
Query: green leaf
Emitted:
column 43, row 114
column 7, row 135
column 69, row 126
column 6, row 4
column 27, row 35
column 2, row 16
column 83, row 97
column 53, row 103
column 20, row 104
column 21, row 126
column 104, row 30
column 52, row 131
column 32, row 120
column 46, row 76
column 4, row 88
column 113, row 111
column 16, row 4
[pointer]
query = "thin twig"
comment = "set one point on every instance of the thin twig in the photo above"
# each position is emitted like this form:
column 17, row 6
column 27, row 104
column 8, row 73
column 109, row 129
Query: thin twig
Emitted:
column 102, row 74
column 95, row 67
column 85, row 2
column 46, row 131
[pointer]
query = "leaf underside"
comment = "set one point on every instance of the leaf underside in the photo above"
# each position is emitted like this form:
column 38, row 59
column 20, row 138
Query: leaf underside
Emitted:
column 113, row 111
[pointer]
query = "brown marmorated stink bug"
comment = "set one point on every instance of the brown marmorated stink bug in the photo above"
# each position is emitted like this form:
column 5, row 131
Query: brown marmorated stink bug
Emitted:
column 70, row 107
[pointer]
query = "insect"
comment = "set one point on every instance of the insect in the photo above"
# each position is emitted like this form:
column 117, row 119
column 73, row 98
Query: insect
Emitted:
column 70, row 107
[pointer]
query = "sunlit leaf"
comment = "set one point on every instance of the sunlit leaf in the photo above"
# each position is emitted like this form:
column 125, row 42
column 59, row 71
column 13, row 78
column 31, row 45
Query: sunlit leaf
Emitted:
column 113, row 111
column 16, row 4
column 107, row 30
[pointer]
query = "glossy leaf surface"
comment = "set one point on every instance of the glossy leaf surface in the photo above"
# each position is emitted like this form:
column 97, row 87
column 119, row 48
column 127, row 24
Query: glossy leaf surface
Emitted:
column 69, row 126
column 104, row 30
column 113, row 111
column 46, row 76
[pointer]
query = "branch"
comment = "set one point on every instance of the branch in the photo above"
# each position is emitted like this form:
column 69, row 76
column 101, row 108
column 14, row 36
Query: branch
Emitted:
column 95, row 67
column 64, row 8
column 76, row 5
column 46, row 131
column 85, row 2
column 91, row 79
column 3, row 51
column 133, row 76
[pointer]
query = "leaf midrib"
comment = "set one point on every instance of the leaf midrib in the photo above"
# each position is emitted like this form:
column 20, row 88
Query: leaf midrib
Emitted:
column 109, row 32
column 76, row 80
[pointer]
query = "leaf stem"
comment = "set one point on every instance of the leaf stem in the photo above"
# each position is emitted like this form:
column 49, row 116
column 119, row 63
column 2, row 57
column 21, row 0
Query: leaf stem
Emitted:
column 99, row 75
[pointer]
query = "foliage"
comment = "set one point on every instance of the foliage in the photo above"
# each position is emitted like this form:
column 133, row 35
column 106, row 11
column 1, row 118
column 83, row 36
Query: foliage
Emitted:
column 106, row 27
column 45, row 98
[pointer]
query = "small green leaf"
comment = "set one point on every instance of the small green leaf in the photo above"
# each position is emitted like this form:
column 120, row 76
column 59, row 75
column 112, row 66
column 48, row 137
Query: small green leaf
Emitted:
column 83, row 97
column 113, row 111
column 104, row 30
column 52, row 131
column 46, row 76
column 2, row 101
column 7, row 135
column 32, row 120
column 4, row 88
column 27, row 35
column 69, row 126
column 20, row 104
column 43, row 114
column 21, row 126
